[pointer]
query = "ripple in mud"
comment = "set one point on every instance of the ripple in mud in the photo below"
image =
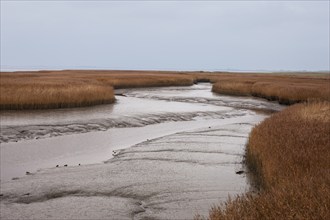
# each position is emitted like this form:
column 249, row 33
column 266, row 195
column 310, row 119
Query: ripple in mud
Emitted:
column 156, row 179
column 204, row 96
column 16, row 133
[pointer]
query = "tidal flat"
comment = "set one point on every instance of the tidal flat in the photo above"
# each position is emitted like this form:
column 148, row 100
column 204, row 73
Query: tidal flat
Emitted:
column 161, row 153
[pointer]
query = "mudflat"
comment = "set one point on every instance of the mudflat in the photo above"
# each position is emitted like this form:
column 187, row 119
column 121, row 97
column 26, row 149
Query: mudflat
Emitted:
column 156, row 153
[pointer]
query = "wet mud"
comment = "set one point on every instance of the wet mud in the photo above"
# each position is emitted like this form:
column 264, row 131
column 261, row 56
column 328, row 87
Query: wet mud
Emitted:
column 169, row 161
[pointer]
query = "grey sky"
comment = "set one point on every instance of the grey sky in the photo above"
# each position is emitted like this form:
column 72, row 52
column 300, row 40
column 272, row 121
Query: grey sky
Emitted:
column 197, row 35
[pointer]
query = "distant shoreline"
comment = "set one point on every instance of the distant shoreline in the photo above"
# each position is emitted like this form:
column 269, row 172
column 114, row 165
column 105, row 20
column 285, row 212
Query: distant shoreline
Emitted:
column 37, row 69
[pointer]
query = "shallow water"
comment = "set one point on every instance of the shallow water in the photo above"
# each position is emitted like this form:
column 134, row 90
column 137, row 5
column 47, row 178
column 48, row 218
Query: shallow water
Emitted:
column 176, row 153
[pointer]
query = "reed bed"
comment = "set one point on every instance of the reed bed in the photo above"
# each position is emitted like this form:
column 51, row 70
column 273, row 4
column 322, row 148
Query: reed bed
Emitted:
column 75, row 88
column 288, row 154
column 288, row 90
column 146, row 81
column 62, row 89
column 54, row 95
column 239, row 88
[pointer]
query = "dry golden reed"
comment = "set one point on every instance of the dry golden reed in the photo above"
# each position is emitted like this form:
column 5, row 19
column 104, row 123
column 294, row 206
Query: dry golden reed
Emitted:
column 289, row 155
column 60, row 89
column 74, row 88
column 286, row 90
column 38, row 96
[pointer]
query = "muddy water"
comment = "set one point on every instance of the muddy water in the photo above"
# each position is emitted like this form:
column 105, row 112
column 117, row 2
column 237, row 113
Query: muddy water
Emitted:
column 165, row 153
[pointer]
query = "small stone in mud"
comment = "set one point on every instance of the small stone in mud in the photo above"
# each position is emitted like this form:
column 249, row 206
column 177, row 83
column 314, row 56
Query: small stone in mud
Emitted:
column 78, row 164
column 26, row 194
column 65, row 165
column 15, row 178
column 240, row 172
column 209, row 126
column 27, row 173
column 1, row 195
column 57, row 165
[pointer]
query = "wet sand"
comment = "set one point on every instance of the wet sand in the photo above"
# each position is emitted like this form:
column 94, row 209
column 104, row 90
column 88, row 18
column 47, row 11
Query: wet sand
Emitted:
column 177, row 151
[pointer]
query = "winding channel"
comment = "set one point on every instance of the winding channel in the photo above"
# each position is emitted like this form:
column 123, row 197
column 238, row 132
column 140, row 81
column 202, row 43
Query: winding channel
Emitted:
column 158, row 153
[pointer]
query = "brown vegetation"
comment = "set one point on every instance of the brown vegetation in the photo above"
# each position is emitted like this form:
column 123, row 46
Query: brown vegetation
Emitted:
column 289, row 155
column 135, row 81
column 74, row 88
column 285, row 89
column 60, row 89
column 54, row 95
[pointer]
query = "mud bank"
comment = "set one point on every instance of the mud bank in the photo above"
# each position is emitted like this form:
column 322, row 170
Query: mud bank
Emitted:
column 168, row 154
column 172, row 177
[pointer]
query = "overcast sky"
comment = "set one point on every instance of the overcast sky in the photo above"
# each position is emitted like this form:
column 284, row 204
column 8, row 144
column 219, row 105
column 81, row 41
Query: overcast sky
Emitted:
column 169, row 35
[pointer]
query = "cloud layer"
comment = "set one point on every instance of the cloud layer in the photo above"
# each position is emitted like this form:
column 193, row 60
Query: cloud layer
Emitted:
column 166, row 35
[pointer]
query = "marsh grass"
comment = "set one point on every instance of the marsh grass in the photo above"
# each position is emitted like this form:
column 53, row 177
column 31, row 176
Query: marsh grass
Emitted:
column 289, row 93
column 240, row 88
column 62, row 89
column 40, row 96
column 128, row 81
column 289, row 90
column 75, row 88
column 289, row 156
